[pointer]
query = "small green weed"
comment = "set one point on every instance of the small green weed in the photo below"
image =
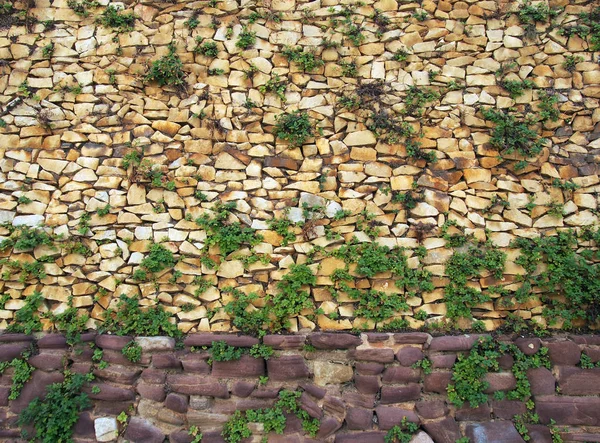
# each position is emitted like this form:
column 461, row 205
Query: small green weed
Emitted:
column 246, row 39
column 168, row 70
column 132, row 352
column 294, row 128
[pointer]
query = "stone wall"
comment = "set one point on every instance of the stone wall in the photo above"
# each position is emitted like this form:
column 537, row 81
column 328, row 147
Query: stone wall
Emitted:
column 358, row 387
column 76, row 106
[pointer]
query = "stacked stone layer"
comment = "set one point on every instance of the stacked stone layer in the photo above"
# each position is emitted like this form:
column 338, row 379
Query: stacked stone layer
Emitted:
column 62, row 156
column 357, row 386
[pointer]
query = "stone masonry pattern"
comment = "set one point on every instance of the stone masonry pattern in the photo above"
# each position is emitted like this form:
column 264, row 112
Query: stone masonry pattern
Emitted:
column 75, row 102
column 358, row 387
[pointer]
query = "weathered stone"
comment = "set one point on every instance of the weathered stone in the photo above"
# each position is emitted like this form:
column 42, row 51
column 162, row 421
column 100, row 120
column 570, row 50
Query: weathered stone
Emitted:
column 493, row 432
column 576, row 381
column 443, row 431
column 400, row 394
column 376, row 355
column 564, row 353
column 334, row 341
column 409, row 356
column 331, row 373
column 287, row 367
column 388, row 417
column 359, row 419
column 139, row 430
column 398, row 374
column 566, row 410
column 106, row 428
column 197, row 385
column 246, row 366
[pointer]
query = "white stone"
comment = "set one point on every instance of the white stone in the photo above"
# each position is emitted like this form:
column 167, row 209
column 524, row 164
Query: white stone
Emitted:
column 106, row 428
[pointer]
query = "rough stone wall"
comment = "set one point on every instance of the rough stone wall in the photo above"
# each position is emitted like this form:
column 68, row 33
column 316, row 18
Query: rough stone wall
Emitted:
column 357, row 386
column 74, row 104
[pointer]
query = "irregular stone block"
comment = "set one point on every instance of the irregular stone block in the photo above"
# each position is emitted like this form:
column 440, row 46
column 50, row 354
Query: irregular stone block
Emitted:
column 564, row 353
column 568, row 410
column 378, row 355
column 577, row 381
column 287, row 367
column 400, row 394
column 141, row 431
column 246, row 366
column 334, row 341
column 493, row 432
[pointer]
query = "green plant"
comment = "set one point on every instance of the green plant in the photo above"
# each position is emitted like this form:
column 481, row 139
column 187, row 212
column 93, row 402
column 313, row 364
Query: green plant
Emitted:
column 401, row 55
column 462, row 266
column 349, row 69
column 81, row 8
column 387, row 127
column 556, row 209
column 349, row 102
column 273, row 419
column 294, row 128
column 21, row 374
column 84, row 223
column 516, row 88
column 281, row 226
column 416, row 99
column 159, row 258
column 132, row 158
column 195, row 433
column 571, row 61
column 547, row 106
column 566, row 185
column 168, row 70
column 23, row 200
column 530, row 14
column 48, row 50
column 104, row 211
column 25, row 90
column 129, row 319
column 468, row 383
column 573, row 276
column 308, row 61
column 511, row 135
column 112, row 17
column 192, row 22
column 122, row 417
column 25, row 238
column 292, row 298
column 586, row 362
column 132, row 351
column 353, row 32
column 588, row 26
column 228, row 236
column 554, row 433
column 3, row 123
column 54, row 416
column 71, row 322
column 26, row 319
column 276, row 85
column 207, row 49
column 221, row 351
column 261, row 351
column 246, row 320
column 425, row 365
column 402, row 433
column 246, row 39
column 6, row 8
column 215, row 71
column 414, row 151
